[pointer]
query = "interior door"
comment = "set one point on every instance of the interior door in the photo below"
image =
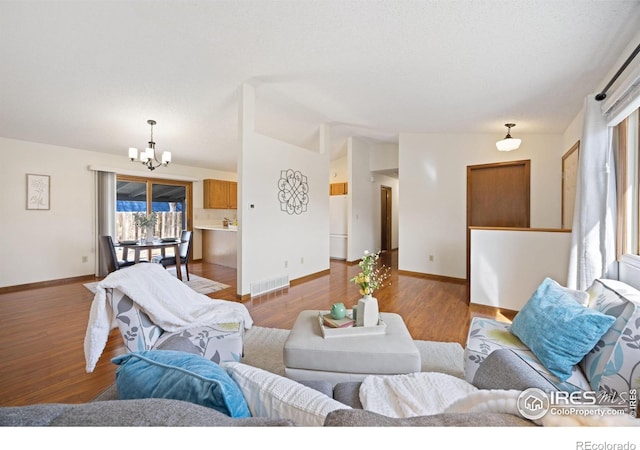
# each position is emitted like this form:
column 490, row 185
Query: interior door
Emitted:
column 385, row 218
column 498, row 195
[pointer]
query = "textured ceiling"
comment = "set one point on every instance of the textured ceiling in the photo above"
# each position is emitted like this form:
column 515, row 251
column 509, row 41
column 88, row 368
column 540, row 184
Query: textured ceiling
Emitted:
column 88, row 74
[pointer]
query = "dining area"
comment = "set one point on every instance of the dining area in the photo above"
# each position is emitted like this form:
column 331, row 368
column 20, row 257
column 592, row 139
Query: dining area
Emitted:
column 168, row 251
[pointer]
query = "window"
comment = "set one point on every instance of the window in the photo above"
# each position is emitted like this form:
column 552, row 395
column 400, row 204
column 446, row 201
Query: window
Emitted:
column 626, row 134
column 171, row 200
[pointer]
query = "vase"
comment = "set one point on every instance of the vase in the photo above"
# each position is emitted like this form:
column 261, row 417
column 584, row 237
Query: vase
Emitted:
column 148, row 236
column 368, row 313
column 338, row 311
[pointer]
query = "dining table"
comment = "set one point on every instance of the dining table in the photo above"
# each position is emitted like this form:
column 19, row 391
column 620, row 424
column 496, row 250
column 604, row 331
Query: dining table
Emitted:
column 163, row 244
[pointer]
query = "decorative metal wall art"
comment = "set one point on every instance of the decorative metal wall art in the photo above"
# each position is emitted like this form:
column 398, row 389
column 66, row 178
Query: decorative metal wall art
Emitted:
column 293, row 191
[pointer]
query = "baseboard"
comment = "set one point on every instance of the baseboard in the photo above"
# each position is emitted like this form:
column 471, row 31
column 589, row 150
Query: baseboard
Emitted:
column 433, row 277
column 491, row 311
column 49, row 283
column 309, row 277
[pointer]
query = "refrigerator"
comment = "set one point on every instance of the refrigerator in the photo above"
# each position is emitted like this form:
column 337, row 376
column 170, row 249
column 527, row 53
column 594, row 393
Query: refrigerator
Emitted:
column 338, row 212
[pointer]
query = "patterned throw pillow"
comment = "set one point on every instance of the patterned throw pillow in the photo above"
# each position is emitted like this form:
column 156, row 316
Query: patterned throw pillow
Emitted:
column 612, row 365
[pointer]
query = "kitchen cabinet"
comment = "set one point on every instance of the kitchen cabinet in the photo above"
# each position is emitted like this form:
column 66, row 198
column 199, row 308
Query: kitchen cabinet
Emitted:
column 220, row 194
column 338, row 189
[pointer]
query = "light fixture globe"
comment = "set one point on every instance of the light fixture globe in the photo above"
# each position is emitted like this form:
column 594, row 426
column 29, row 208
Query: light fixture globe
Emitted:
column 508, row 143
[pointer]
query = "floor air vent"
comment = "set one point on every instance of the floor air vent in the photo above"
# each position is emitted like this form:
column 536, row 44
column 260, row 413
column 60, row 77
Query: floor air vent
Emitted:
column 262, row 287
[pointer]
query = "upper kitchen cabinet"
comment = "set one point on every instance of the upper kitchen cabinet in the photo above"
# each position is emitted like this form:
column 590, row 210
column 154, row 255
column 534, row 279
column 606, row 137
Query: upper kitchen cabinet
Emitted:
column 220, row 194
column 338, row 189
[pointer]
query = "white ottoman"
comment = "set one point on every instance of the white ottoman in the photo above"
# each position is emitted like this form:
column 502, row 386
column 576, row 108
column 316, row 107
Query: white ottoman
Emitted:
column 309, row 356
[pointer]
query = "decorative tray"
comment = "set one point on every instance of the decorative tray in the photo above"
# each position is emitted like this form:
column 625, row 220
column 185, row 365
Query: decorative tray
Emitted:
column 328, row 332
column 128, row 242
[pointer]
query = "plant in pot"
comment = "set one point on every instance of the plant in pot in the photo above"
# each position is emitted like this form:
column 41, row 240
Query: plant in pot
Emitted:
column 372, row 276
column 146, row 223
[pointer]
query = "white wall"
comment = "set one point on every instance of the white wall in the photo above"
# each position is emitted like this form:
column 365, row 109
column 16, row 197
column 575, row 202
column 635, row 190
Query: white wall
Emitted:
column 339, row 170
column 366, row 224
column 573, row 133
column 274, row 243
column 433, row 193
column 384, row 156
column 50, row 245
column 362, row 202
column 508, row 266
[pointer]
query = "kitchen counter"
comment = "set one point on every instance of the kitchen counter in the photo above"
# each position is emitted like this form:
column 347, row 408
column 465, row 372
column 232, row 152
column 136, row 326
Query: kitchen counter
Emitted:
column 214, row 228
column 219, row 245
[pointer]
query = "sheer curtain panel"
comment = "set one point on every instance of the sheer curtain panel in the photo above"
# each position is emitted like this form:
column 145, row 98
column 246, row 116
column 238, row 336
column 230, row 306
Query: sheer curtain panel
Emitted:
column 593, row 250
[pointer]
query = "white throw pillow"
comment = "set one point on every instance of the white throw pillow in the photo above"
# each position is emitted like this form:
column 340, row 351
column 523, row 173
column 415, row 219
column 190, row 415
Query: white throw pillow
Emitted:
column 270, row 395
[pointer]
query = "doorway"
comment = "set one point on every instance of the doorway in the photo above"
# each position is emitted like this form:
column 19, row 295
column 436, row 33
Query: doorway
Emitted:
column 385, row 218
column 498, row 195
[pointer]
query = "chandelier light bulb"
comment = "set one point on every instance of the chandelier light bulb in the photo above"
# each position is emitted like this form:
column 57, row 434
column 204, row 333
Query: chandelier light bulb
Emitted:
column 148, row 156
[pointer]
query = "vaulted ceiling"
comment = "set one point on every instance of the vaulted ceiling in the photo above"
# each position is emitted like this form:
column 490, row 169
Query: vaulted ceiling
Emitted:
column 88, row 74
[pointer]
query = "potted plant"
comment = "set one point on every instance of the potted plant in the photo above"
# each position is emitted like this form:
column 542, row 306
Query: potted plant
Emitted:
column 371, row 277
column 146, row 222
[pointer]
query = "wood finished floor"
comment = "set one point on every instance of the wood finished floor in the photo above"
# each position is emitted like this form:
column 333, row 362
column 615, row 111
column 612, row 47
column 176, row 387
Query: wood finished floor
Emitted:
column 42, row 329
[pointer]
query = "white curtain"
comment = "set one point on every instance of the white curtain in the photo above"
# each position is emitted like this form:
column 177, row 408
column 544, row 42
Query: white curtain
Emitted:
column 593, row 247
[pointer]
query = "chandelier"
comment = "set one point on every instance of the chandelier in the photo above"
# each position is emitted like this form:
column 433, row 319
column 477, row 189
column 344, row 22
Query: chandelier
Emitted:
column 148, row 156
column 508, row 143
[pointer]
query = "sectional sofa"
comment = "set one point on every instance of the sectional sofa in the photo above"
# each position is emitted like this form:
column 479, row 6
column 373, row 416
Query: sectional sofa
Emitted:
column 562, row 340
column 107, row 410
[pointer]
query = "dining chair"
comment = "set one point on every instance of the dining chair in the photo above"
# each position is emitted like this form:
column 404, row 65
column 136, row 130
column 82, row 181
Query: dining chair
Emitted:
column 185, row 252
column 113, row 263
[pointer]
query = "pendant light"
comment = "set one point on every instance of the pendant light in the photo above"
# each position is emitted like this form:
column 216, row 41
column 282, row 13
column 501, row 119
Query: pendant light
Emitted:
column 508, row 143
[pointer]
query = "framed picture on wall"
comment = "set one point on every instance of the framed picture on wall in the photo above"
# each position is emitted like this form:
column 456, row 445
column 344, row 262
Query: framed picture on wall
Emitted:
column 38, row 194
column 569, row 183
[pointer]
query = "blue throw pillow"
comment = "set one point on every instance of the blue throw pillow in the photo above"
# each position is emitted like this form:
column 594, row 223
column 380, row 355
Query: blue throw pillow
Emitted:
column 179, row 376
column 557, row 329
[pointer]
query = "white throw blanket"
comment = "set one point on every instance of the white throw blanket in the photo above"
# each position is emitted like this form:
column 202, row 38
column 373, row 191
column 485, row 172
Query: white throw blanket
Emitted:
column 169, row 303
column 429, row 393
column 410, row 395
column 503, row 401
